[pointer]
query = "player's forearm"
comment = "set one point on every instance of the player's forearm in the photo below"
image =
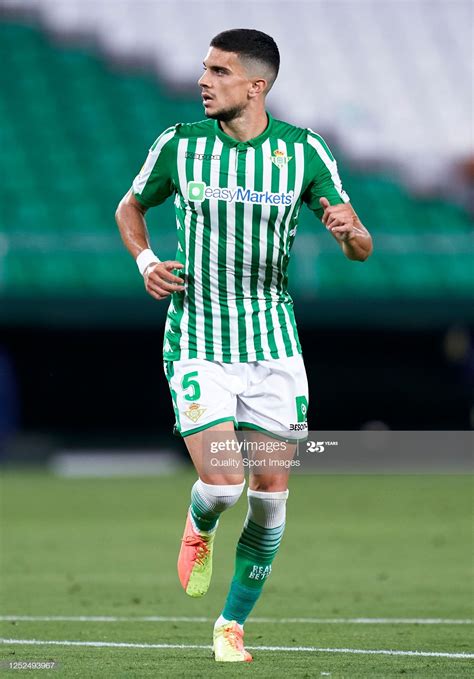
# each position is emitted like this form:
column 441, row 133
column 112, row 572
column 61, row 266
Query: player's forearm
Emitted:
column 358, row 248
column 132, row 226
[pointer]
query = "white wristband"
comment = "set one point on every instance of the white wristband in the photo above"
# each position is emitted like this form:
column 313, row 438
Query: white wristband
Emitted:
column 145, row 258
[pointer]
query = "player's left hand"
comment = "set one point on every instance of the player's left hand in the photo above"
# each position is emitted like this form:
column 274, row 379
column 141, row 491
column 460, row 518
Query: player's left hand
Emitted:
column 341, row 220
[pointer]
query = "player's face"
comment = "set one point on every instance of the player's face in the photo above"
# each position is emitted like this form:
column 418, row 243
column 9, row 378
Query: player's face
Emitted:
column 224, row 85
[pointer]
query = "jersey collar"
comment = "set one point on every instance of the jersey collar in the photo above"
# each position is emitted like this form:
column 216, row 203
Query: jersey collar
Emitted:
column 255, row 142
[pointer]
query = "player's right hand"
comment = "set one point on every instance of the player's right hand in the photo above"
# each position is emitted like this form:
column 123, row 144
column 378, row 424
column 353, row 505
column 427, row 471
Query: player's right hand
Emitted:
column 160, row 282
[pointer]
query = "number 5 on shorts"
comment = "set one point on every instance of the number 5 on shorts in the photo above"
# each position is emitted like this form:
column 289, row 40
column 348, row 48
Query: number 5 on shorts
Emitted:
column 188, row 383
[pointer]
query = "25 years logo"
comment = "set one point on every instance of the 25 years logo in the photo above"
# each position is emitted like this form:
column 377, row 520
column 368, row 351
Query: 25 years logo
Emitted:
column 319, row 446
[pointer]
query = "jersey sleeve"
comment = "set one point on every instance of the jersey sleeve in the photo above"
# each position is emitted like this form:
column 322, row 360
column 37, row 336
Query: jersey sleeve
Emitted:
column 324, row 177
column 154, row 183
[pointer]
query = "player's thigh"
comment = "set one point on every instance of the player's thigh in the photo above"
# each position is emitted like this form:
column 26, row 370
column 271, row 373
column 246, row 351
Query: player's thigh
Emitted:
column 273, row 462
column 208, row 465
column 204, row 403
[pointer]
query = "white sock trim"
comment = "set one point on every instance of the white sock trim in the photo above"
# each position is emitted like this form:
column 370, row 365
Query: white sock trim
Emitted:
column 229, row 490
column 263, row 495
column 267, row 509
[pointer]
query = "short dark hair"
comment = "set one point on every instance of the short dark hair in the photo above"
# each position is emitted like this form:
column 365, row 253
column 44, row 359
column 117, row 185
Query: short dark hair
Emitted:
column 250, row 44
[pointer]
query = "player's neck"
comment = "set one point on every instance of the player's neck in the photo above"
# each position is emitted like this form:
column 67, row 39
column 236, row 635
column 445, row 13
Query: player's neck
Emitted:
column 247, row 126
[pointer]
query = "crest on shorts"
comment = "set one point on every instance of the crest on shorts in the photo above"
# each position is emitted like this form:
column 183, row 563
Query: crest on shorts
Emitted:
column 280, row 159
column 194, row 412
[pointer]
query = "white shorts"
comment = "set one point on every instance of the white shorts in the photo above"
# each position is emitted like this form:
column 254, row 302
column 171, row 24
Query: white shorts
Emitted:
column 269, row 396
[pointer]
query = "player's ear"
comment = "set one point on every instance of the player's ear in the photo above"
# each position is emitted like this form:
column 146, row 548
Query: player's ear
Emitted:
column 257, row 87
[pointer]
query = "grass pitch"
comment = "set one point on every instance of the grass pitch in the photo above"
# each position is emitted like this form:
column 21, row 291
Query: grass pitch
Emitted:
column 355, row 547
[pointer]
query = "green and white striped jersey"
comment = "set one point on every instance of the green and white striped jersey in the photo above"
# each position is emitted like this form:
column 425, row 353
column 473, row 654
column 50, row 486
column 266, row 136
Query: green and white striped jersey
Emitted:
column 237, row 206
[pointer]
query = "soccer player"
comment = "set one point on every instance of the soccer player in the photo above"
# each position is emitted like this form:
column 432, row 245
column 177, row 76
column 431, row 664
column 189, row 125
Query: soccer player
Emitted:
column 231, row 350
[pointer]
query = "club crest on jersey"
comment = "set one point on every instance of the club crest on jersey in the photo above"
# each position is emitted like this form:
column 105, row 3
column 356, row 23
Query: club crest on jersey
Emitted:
column 194, row 412
column 280, row 159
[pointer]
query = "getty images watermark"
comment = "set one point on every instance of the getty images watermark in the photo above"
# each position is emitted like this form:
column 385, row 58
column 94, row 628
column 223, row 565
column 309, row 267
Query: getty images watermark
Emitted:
column 371, row 450
column 234, row 452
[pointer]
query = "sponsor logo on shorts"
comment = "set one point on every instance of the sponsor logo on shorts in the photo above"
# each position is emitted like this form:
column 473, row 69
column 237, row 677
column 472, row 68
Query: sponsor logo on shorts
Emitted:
column 301, row 404
column 298, row 426
column 301, row 408
column 199, row 191
column 194, row 412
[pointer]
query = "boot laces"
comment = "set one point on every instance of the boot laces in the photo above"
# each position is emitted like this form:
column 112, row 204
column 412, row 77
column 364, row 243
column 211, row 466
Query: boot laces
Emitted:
column 234, row 637
column 202, row 551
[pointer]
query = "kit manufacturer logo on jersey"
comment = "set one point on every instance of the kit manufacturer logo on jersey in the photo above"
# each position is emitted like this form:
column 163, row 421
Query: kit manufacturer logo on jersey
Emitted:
column 199, row 191
column 202, row 156
column 280, row 159
column 194, row 412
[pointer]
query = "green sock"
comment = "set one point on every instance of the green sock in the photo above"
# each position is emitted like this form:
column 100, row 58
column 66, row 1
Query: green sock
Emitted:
column 256, row 550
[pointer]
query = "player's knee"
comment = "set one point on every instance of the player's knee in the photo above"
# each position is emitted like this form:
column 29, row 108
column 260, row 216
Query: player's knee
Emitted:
column 267, row 508
column 268, row 484
column 213, row 479
column 224, row 495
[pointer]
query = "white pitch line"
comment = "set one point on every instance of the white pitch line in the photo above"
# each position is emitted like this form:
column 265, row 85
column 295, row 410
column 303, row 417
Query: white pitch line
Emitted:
column 300, row 649
column 285, row 621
